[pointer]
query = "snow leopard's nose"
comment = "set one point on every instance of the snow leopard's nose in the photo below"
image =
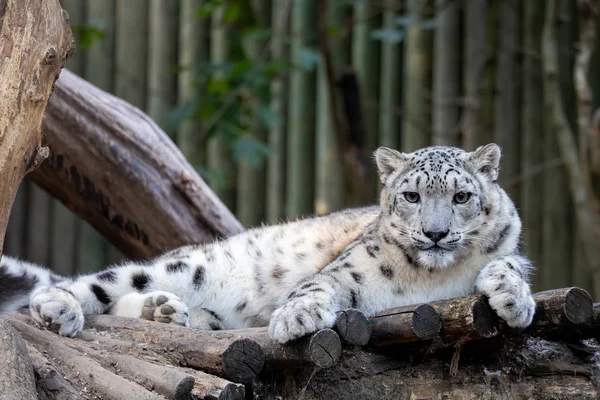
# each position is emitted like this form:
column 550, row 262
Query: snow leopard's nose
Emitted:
column 436, row 236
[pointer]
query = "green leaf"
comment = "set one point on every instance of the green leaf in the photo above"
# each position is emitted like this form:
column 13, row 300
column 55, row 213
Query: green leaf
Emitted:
column 249, row 148
column 87, row 35
column 431, row 23
column 404, row 20
column 388, row 35
column 335, row 30
column 208, row 8
column 257, row 34
column 269, row 118
column 179, row 114
column 308, row 58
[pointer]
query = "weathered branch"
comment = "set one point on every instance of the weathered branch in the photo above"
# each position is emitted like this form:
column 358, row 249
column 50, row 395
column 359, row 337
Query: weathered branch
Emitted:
column 322, row 349
column 167, row 381
column 221, row 353
column 16, row 373
column 586, row 205
column 353, row 327
column 154, row 200
column 35, row 42
column 405, row 325
column 80, row 368
column 49, row 381
column 567, row 312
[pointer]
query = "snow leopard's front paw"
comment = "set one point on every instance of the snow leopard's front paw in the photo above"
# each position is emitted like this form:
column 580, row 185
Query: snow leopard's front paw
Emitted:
column 503, row 281
column 165, row 307
column 57, row 309
column 298, row 318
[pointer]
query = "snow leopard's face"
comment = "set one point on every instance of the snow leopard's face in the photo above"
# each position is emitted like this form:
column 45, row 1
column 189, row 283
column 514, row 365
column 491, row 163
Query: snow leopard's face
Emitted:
column 436, row 201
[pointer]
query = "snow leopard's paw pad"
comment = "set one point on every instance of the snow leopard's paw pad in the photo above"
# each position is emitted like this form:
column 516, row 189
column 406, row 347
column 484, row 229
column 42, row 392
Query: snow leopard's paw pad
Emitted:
column 57, row 309
column 509, row 294
column 165, row 307
column 299, row 318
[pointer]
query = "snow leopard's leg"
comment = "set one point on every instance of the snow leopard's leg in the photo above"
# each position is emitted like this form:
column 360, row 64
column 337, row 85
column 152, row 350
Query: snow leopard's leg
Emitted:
column 505, row 281
column 157, row 306
column 205, row 319
column 313, row 305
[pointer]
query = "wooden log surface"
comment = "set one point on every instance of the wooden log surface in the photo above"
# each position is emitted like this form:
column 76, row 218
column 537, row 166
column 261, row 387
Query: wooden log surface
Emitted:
column 79, row 367
column 227, row 355
column 566, row 311
column 16, row 371
column 50, row 382
column 405, row 325
column 322, row 349
column 113, row 166
column 35, row 42
column 353, row 327
column 167, row 381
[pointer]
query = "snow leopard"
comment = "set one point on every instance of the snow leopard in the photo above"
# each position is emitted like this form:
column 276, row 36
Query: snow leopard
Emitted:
column 443, row 228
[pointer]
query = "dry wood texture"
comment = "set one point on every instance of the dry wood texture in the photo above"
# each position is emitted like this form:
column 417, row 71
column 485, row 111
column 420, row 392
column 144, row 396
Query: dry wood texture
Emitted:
column 35, row 42
column 405, row 325
column 116, row 168
column 224, row 354
column 568, row 312
column 322, row 349
column 16, row 377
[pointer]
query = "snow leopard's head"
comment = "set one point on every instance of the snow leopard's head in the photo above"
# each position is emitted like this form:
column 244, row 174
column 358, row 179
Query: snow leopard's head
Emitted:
column 440, row 204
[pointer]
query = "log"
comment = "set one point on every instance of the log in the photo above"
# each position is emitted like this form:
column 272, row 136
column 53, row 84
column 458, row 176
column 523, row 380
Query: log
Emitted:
column 353, row 327
column 466, row 318
column 113, row 166
column 49, row 381
column 35, row 42
column 208, row 386
column 321, row 349
column 16, row 371
column 405, row 325
column 167, row 381
column 78, row 367
column 567, row 312
column 227, row 355
column 503, row 367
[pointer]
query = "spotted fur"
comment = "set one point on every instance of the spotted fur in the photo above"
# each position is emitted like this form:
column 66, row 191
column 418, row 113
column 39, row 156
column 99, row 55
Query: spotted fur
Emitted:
column 444, row 229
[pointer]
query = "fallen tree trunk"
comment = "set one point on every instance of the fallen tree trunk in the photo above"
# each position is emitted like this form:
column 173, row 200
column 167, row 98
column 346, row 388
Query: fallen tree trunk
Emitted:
column 155, row 360
column 35, row 42
column 113, row 166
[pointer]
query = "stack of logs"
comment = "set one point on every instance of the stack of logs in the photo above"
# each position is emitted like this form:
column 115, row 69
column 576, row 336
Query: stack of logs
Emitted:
column 123, row 358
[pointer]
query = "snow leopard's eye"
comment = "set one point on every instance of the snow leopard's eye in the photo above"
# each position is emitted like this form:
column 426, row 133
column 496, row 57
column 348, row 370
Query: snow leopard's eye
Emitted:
column 411, row 197
column 462, row 197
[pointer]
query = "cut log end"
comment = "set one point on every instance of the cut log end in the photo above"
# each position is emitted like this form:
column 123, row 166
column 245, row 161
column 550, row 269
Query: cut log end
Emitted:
column 324, row 348
column 485, row 319
column 353, row 327
column 579, row 308
column 233, row 392
column 426, row 322
column 243, row 360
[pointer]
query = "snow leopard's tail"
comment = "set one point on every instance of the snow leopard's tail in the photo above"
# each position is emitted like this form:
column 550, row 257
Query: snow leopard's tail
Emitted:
column 18, row 279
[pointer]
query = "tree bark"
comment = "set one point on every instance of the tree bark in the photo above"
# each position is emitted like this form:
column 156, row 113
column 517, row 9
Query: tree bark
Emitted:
column 532, row 136
column 416, row 91
column 219, row 158
column 507, row 111
column 94, row 135
column 35, row 42
column 162, row 58
column 16, row 371
column 475, row 32
column 301, row 115
column 276, row 164
column 446, row 75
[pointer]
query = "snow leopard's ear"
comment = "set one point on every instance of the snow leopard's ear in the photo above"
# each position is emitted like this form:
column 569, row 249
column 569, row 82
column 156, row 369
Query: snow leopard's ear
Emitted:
column 388, row 161
column 486, row 160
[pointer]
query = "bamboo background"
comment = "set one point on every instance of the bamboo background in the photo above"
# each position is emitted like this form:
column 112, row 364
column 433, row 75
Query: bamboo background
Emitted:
column 472, row 76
